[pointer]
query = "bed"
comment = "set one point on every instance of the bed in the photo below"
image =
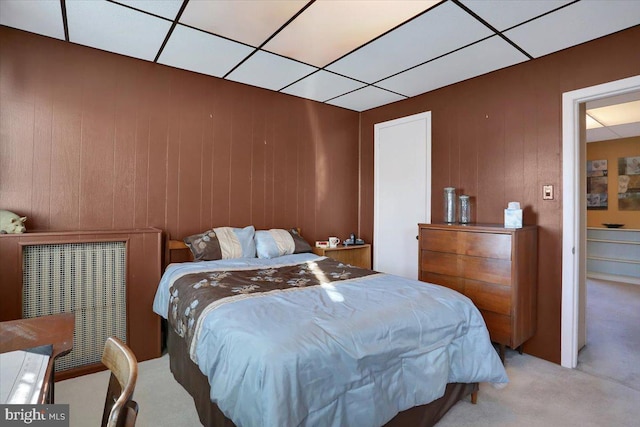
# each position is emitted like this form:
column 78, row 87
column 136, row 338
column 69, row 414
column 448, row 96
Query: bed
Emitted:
column 303, row 340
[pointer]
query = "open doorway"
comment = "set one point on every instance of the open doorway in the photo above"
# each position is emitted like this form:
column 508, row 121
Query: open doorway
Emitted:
column 574, row 210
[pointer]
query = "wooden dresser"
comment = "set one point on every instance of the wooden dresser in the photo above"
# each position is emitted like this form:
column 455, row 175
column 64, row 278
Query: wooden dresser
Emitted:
column 495, row 267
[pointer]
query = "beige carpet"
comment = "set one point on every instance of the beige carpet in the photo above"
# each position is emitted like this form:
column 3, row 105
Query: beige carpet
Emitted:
column 539, row 393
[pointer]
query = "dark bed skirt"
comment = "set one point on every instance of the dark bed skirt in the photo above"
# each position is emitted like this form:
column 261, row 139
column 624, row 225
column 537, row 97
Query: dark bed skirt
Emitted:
column 189, row 376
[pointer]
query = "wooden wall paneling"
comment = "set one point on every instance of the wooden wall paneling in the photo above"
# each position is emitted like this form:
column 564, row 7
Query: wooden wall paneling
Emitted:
column 190, row 154
column 16, row 155
column 155, row 84
column 514, row 119
column 275, row 109
column 127, row 107
column 97, row 142
column 258, row 159
column 173, row 154
column 241, row 152
column 206, row 167
column 221, row 161
column 291, row 153
column 49, row 69
column 310, row 207
column 491, row 157
column 66, row 143
column 285, row 129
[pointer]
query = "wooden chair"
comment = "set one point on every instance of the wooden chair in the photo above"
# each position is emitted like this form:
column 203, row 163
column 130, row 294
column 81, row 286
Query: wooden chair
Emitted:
column 119, row 408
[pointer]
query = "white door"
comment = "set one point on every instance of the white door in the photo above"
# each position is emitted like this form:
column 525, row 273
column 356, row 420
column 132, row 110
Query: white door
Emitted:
column 402, row 192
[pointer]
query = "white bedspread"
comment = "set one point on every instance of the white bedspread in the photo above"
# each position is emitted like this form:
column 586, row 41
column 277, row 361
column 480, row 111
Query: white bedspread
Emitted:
column 352, row 353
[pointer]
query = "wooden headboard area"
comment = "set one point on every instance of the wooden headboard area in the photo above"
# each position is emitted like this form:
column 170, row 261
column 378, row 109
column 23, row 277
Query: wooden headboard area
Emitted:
column 178, row 251
column 175, row 251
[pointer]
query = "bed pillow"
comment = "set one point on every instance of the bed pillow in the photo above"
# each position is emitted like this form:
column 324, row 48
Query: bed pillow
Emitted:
column 223, row 243
column 277, row 242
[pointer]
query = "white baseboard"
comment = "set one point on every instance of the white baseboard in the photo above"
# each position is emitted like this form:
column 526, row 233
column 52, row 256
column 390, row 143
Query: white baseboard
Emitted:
column 614, row 278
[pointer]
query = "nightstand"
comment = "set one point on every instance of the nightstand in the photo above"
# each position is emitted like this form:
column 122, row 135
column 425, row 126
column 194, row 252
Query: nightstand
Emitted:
column 356, row 255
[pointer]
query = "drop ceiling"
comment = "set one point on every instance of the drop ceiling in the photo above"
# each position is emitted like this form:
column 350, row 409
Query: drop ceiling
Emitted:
column 356, row 54
column 613, row 117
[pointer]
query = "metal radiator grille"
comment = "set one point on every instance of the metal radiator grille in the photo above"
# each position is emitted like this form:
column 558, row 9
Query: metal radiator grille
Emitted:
column 88, row 279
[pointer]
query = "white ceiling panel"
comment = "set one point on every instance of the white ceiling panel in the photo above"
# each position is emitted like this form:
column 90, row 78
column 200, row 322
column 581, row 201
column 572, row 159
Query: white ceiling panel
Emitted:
column 618, row 114
column 329, row 29
column 204, row 53
column 575, row 24
column 424, row 38
column 270, row 71
column 360, row 46
column 322, row 86
column 480, row 58
column 602, row 134
column 38, row 17
column 247, row 21
column 166, row 8
column 366, row 98
column 503, row 14
column 114, row 28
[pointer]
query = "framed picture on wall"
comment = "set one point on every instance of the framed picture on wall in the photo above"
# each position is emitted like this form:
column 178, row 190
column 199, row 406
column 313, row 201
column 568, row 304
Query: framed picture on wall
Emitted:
column 597, row 184
column 629, row 183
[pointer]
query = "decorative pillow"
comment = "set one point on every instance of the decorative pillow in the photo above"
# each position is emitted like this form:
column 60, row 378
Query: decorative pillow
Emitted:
column 223, row 243
column 277, row 242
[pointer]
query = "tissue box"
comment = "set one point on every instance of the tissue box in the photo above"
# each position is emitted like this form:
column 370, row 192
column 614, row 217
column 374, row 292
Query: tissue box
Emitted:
column 513, row 218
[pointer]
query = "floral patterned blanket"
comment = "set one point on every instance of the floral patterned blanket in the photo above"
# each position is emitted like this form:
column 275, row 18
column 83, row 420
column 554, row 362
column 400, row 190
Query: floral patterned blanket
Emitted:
column 194, row 295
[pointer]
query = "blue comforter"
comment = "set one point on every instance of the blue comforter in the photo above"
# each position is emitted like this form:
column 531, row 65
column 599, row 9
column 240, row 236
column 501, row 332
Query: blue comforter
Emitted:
column 349, row 353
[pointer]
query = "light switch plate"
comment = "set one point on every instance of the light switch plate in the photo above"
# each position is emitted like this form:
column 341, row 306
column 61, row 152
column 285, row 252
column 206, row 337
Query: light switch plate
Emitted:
column 547, row 192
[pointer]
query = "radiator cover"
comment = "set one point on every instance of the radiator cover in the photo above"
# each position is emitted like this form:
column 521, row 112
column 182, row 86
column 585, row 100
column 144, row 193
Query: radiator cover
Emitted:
column 88, row 279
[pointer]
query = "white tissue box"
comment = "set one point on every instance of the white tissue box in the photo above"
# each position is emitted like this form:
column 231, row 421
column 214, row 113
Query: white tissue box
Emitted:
column 513, row 218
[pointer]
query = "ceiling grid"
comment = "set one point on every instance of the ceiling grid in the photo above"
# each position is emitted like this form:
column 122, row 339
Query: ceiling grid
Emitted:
column 355, row 54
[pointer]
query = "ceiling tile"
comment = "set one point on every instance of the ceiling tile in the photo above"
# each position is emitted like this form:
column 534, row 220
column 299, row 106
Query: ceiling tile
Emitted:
column 204, row 53
column 366, row 98
column 248, row 21
column 480, row 58
column 601, row 134
column 426, row 37
column 166, row 8
column 503, row 14
column 325, row 31
column 575, row 24
column 270, row 71
column 618, row 114
column 114, row 28
column 322, row 85
column 43, row 18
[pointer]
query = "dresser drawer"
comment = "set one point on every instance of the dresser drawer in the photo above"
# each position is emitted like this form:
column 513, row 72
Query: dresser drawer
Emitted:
column 439, row 262
column 486, row 269
column 486, row 245
column 451, row 282
column 439, row 240
column 499, row 326
column 489, row 296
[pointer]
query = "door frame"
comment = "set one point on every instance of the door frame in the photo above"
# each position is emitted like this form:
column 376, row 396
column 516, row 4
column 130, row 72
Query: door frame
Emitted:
column 426, row 116
column 574, row 209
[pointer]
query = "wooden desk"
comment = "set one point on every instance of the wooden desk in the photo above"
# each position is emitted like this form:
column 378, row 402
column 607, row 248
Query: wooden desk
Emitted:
column 23, row 334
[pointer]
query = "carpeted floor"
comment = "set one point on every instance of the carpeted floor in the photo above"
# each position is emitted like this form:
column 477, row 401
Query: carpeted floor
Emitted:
column 540, row 393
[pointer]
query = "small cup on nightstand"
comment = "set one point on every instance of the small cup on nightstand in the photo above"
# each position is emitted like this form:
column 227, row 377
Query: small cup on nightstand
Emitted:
column 333, row 242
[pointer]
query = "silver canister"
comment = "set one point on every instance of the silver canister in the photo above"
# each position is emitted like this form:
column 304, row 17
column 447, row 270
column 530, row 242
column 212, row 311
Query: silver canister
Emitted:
column 465, row 209
column 449, row 205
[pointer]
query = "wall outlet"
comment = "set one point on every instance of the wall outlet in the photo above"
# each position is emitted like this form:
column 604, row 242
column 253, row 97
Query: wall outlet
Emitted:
column 547, row 192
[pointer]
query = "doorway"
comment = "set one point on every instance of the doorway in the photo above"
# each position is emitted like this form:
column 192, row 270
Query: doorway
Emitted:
column 574, row 211
column 402, row 192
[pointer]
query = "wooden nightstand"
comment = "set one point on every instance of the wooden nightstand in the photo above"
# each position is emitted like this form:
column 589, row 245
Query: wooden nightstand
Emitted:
column 356, row 255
